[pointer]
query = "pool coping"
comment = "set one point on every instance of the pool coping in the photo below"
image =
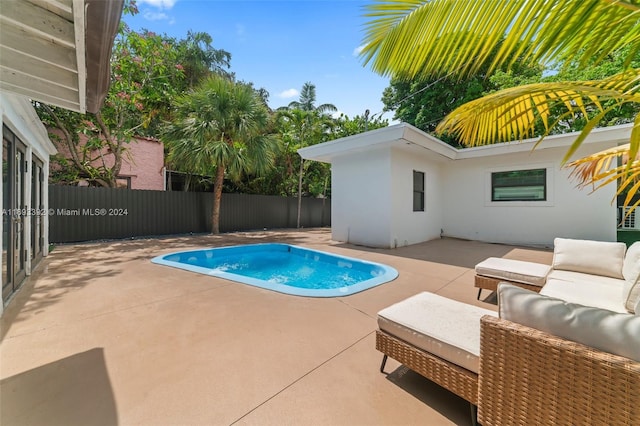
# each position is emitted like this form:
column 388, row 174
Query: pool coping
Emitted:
column 388, row 275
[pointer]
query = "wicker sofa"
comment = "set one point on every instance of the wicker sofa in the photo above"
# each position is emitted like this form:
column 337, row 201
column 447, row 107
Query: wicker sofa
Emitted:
column 529, row 377
column 592, row 273
column 543, row 360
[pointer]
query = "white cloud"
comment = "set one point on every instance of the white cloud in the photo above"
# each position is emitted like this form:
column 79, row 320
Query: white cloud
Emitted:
column 289, row 93
column 160, row 4
column 337, row 114
column 357, row 50
column 155, row 16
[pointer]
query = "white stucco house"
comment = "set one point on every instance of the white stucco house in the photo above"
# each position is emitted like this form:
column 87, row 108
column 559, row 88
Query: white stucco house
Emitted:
column 398, row 186
column 56, row 52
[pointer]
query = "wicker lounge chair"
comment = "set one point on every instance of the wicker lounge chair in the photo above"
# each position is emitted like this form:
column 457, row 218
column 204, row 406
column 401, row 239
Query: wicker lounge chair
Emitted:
column 455, row 379
column 436, row 337
column 522, row 375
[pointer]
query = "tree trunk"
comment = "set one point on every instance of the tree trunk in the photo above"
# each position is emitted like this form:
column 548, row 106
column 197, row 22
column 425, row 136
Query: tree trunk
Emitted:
column 217, row 197
column 324, row 198
column 187, row 182
column 300, row 189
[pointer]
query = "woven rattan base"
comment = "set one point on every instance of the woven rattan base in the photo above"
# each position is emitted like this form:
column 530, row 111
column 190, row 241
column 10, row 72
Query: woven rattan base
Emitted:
column 488, row 283
column 458, row 380
column 528, row 377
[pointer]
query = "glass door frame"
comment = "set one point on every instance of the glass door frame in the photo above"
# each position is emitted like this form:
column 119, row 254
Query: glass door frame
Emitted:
column 14, row 213
column 37, row 210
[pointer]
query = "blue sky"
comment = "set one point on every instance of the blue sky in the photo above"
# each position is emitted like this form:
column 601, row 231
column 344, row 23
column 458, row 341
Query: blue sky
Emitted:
column 279, row 45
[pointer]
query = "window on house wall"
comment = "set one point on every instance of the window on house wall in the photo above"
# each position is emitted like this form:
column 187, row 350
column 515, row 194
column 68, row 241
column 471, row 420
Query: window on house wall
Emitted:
column 418, row 191
column 519, row 185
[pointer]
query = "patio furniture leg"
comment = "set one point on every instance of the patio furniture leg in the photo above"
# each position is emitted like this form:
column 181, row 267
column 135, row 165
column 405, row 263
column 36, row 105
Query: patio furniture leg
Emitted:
column 474, row 415
column 384, row 361
column 479, row 292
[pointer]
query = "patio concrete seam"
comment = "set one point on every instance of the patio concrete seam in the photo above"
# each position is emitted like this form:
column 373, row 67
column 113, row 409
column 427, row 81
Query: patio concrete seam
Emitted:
column 302, row 377
column 344, row 301
column 449, row 283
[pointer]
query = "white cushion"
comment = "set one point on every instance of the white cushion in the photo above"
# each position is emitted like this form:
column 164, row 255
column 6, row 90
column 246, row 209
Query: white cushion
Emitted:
column 602, row 329
column 598, row 295
column 444, row 327
column 591, row 257
column 631, row 273
column 632, row 297
column 631, row 265
column 616, row 284
column 514, row 270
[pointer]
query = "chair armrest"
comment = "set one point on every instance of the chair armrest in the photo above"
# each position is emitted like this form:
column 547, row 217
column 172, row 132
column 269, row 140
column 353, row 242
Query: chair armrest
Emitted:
column 527, row 376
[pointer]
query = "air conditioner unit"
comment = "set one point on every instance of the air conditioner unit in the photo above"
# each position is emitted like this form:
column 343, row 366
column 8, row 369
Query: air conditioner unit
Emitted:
column 629, row 220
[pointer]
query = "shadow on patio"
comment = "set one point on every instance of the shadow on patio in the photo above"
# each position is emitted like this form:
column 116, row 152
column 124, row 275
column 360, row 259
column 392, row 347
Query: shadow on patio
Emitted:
column 72, row 391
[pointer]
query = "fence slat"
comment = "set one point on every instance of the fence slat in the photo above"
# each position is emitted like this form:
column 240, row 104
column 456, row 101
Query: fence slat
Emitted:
column 86, row 214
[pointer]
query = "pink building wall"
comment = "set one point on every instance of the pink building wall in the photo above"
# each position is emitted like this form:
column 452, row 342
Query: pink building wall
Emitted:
column 142, row 163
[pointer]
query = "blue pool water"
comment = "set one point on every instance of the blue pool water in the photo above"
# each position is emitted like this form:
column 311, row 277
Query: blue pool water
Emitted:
column 284, row 268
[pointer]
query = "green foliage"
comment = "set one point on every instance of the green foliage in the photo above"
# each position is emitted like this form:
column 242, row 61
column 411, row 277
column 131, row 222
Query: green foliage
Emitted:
column 424, row 103
column 346, row 126
column 147, row 72
column 199, row 58
column 220, row 122
column 62, row 172
column 307, row 101
column 302, row 124
column 220, row 128
column 428, row 39
column 145, row 77
column 610, row 65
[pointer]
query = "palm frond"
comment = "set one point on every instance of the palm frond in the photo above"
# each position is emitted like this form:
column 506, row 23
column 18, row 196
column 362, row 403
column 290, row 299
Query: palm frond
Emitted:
column 215, row 124
column 419, row 38
column 511, row 114
column 608, row 166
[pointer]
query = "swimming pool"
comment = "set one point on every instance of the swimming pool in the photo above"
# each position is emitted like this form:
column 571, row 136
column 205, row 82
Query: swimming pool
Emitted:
column 284, row 268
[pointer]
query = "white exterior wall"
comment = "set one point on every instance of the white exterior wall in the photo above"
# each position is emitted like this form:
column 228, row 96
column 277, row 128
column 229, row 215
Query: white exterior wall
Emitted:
column 360, row 198
column 409, row 227
column 17, row 113
column 568, row 212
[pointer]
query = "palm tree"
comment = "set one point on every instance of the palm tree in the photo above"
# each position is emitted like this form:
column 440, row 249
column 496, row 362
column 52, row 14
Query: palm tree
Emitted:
column 307, row 101
column 306, row 125
column 413, row 39
column 220, row 128
column 302, row 128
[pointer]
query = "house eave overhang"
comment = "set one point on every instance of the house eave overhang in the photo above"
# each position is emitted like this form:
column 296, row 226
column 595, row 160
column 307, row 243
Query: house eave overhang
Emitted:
column 404, row 136
column 613, row 134
column 58, row 51
column 401, row 136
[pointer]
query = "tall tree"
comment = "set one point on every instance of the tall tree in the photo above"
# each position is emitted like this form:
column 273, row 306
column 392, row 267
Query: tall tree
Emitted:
column 306, row 124
column 307, row 101
column 345, row 126
column 402, row 41
column 147, row 72
column 199, row 58
column 425, row 102
column 220, row 129
column 302, row 128
column 144, row 77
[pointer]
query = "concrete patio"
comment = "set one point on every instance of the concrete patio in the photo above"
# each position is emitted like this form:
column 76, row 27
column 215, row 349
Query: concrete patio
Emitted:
column 101, row 336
